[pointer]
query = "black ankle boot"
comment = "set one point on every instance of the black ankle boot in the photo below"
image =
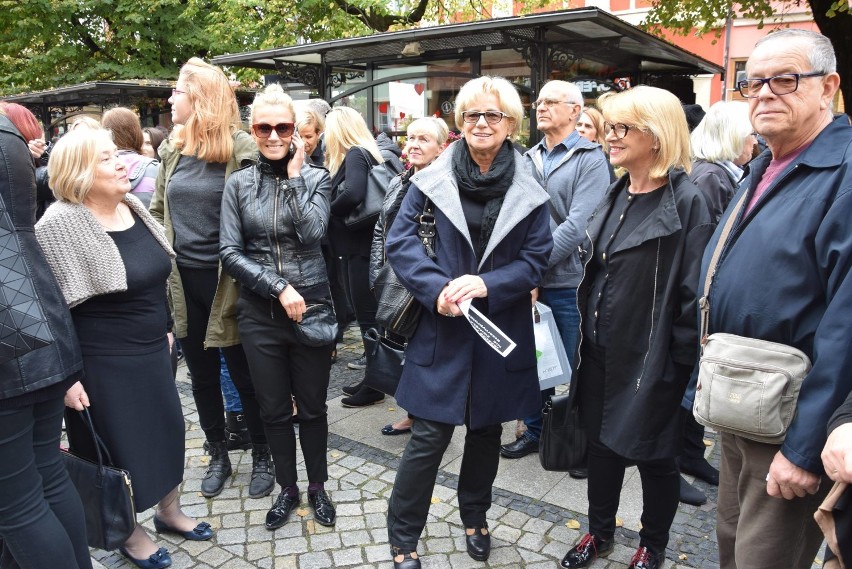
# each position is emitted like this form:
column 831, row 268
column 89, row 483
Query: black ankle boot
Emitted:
column 236, row 432
column 262, row 477
column 218, row 471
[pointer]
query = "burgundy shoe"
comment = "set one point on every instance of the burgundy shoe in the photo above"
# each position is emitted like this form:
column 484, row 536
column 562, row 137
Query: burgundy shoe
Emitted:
column 644, row 558
column 585, row 552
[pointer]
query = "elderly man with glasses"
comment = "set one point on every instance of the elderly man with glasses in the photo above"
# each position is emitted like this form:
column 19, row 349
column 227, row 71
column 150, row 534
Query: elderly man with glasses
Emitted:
column 575, row 174
column 783, row 276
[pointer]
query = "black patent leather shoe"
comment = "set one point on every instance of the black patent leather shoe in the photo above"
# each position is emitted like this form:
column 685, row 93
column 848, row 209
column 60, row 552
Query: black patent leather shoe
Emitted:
column 277, row 516
column 520, row 448
column 579, row 473
column 644, row 558
column 158, row 560
column 408, row 562
column 324, row 511
column 585, row 552
column 478, row 544
column 201, row 532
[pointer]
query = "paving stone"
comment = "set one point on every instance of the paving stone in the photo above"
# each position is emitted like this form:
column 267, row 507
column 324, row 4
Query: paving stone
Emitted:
column 326, row 541
column 351, row 556
column 291, row 545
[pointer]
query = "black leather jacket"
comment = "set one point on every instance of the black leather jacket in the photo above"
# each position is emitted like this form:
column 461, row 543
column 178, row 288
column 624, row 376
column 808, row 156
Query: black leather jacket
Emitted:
column 271, row 229
column 48, row 365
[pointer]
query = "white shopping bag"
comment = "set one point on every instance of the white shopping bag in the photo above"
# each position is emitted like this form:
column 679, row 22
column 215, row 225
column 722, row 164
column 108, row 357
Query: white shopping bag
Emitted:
column 553, row 367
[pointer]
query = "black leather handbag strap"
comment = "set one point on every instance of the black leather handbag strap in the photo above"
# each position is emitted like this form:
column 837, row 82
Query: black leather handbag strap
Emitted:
column 104, row 458
column 427, row 230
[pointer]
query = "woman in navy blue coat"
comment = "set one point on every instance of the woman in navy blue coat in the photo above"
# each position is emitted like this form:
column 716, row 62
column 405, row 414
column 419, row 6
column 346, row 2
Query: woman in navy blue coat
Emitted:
column 492, row 245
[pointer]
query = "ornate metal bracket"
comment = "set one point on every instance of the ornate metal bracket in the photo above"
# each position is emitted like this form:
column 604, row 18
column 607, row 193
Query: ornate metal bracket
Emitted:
column 337, row 79
column 306, row 74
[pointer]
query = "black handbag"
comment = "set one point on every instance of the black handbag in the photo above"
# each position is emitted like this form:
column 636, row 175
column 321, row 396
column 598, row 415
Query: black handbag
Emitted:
column 563, row 445
column 366, row 213
column 23, row 325
column 318, row 326
column 106, row 492
column 398, row 311
column 385, row 359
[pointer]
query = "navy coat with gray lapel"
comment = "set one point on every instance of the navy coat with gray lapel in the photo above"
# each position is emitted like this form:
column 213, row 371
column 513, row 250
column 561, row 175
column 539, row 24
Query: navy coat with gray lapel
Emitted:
column 446, row 362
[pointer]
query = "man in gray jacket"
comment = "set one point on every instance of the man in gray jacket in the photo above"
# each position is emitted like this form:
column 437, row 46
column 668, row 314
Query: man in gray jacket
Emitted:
column 575, row 174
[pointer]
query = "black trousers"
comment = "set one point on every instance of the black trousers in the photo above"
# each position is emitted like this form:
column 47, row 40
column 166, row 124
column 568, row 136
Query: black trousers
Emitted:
column 660, row 478
column 283, row 368
column 362, row 298
column 408, row 506
column 693, row 437
column 336, row 282
column 42, row 525
column 199, row 288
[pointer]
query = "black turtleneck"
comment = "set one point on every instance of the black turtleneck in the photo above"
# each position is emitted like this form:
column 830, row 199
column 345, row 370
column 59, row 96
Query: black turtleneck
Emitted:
column 279, row 167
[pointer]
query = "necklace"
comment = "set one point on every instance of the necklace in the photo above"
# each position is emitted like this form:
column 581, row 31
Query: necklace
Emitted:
column 110, row 224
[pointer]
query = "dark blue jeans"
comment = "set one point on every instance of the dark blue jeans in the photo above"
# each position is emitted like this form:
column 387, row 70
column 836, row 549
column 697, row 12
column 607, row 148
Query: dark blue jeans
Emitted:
column 229, row 390
column 563, row 303
column 42, row 524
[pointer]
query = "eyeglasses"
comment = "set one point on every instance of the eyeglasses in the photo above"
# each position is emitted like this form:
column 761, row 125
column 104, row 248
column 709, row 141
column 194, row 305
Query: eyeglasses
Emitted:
column 783, row 84
column 547, row 103
column 263, row 130
column 620, row 129
column 491, row 117
column 178, row 92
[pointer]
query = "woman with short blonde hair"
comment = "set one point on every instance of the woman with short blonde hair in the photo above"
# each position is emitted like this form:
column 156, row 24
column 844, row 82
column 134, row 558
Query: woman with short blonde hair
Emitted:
column 111, row 260
column 637, row 302
column 311, row 125
column 205, row 148
column 501, row 88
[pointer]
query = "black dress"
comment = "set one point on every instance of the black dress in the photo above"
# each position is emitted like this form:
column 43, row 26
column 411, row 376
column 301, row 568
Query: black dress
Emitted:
column 128, row 375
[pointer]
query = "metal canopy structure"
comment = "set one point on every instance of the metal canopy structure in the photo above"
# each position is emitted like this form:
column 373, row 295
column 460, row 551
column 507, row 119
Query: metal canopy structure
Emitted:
column 54, row 105
column 569, row 44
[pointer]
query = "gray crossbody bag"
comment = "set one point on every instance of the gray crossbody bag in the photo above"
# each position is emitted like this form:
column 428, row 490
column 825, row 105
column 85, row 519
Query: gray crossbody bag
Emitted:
column 746, row 387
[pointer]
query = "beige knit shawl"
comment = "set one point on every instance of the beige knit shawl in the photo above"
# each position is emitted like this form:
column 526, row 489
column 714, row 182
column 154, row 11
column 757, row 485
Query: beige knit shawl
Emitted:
column 84, row 259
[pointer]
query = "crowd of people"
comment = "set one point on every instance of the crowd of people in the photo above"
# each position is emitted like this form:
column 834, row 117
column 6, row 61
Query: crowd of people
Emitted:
column 236, row 245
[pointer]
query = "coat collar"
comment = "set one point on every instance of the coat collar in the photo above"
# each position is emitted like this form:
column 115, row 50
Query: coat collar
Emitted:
column 663, row 222
column 438, row 183
column 534, row 155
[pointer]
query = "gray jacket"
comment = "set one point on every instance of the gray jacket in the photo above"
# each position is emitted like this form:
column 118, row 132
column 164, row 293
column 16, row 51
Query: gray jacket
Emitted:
column 575, row 185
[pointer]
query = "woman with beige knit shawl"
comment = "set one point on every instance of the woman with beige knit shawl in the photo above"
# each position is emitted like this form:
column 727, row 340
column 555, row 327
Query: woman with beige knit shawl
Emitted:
column 111, row 260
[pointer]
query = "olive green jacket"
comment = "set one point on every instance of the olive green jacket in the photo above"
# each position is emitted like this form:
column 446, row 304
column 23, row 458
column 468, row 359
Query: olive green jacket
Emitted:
column 222, row 325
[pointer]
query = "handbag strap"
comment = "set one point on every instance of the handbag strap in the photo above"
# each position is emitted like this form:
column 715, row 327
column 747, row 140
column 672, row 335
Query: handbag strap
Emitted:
column 704, row 302
column 104, row 458
column 427, row 231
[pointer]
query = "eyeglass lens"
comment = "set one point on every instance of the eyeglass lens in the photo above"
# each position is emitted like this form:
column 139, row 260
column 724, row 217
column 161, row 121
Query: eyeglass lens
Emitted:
column 283, row 129
column 491, row 117
column 620, row 129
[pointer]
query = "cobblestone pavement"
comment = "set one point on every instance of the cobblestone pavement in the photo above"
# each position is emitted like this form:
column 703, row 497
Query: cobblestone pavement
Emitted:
column 527, row 532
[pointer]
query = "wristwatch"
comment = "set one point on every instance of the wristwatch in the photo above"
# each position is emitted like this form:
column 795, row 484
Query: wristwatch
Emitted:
column 278, row 288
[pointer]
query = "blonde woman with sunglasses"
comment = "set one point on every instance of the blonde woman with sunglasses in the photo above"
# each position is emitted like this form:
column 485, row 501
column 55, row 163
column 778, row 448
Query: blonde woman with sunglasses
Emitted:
column 205, row 147
column 274, row 215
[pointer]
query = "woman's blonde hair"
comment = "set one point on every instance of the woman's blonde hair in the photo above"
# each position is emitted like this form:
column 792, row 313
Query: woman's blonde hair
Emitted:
column 435, row 127
column 510, row 101
column 345, row 128
column 272, row 96
column 306, row 116
column 722, row 133
column 84, row 121
column 659, row 113
column 74, row 161
column 596, row 118
column 208, row 132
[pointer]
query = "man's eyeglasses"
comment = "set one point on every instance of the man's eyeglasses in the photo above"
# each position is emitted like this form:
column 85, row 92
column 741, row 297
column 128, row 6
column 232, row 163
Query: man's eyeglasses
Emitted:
column 178, row 92
column 620, row 129
column 491, row 117
column 264, row 130
column 547, row 103
column 783, row 84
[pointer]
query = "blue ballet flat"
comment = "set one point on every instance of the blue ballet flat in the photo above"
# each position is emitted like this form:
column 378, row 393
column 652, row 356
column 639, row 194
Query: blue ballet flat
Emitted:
column 201, row 532
column 158, row 560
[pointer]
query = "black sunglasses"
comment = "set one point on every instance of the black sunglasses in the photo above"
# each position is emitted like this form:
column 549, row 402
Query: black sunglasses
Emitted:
column 264, row 130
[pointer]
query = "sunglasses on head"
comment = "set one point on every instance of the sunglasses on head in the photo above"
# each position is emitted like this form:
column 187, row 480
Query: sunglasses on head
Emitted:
column 264, row 130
